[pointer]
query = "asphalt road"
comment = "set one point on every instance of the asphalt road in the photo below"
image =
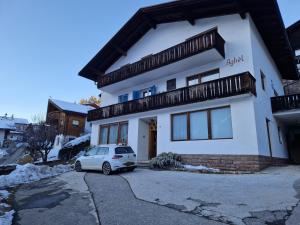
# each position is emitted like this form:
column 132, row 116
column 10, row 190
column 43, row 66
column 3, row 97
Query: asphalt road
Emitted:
column 117, row 205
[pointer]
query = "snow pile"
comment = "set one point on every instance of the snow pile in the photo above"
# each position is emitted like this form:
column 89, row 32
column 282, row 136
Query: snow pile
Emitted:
column 3, row 152
column 29, row 172
column 201, row 168
column 78, row 141
column 21, row 144
column 7, row 217
column 57, row 146
column 6, row 213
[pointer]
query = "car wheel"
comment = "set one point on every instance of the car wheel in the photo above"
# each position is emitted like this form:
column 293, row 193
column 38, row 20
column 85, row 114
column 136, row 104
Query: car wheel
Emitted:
column 78, row 166
column 106, row 168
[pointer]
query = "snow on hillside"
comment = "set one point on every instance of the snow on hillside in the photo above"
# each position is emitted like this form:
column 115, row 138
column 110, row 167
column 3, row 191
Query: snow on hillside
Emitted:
column 29, row 172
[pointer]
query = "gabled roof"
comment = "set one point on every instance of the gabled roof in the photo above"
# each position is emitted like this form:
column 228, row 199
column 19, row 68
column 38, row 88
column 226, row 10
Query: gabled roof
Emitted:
column 9, row 123
column 294, row 34
column 265, row 14
column 71, row 107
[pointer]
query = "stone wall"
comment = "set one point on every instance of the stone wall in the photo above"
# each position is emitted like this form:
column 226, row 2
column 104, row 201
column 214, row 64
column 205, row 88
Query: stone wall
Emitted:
column 243, row 163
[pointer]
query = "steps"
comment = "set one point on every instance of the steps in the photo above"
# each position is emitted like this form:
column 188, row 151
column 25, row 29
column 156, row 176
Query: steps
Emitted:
column 143, row 164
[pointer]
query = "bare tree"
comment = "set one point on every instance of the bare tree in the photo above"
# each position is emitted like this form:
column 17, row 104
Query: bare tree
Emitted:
column 90, row 100
column 39, row 117
column 40, row 139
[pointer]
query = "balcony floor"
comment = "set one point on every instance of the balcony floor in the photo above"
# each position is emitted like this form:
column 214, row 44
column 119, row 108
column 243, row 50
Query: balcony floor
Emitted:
column 289, row 117
column 197, row 60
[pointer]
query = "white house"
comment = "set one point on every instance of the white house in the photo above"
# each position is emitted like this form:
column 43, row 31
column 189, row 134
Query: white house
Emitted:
column 196, row 78
column 12, row 128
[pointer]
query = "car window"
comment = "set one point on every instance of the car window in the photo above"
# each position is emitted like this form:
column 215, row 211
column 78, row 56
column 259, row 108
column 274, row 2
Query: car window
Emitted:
column 123, row 150
column 102, row 151
column 92, row 151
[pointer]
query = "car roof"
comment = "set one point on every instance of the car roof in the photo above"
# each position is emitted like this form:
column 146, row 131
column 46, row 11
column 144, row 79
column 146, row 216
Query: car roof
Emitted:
column 111, row 145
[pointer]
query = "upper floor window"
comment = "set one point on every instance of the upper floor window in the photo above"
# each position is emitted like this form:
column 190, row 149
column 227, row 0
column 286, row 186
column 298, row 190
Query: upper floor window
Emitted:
column 203, row 77
column 263, row 80
column 171, row 84
column 123, row 98
column 144, row 92
column 75, row 123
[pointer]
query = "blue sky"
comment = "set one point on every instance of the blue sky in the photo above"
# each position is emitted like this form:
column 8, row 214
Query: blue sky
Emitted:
column 44, row 44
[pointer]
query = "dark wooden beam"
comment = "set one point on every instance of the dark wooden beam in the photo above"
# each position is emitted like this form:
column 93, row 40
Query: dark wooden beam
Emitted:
column 118, row 49
column 150, row 21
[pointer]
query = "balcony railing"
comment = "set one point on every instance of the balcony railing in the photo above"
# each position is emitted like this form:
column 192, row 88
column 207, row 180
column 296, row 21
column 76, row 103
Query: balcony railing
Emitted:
column 287, row 102
column 190, row 47
column 229, row 86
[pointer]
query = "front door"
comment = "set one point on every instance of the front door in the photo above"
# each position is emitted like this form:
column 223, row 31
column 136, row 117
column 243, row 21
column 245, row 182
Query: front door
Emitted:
column 295, row 148
column 152, row 139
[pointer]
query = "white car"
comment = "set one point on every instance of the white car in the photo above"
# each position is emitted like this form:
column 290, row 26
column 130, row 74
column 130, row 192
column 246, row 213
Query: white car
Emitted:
column 107, row 158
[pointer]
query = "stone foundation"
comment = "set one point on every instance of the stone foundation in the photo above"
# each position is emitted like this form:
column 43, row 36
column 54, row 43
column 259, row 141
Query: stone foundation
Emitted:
column 243, row 163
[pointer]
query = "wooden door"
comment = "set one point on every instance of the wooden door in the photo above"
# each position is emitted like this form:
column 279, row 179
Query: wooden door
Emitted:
column 152, row 139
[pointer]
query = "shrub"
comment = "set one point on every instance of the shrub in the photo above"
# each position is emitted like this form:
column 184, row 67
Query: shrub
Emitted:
column 166, row 161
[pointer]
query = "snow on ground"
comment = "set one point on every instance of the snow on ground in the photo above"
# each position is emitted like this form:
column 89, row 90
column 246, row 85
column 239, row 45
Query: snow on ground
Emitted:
column 53, row 154
column 6, row 212
column 7, row 217
column 29, row 172
column 78, row 141
column 3, row 152
column 200, row 168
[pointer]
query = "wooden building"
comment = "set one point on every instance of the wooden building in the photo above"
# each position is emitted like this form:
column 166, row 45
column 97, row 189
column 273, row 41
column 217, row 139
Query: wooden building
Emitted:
column 69, row 118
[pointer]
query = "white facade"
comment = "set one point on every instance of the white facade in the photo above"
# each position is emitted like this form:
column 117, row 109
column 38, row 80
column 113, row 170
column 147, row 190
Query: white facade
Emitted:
column 248, row 112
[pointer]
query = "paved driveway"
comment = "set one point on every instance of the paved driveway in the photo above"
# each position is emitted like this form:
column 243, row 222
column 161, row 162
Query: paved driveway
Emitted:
column 117, row 205
column 268, row 197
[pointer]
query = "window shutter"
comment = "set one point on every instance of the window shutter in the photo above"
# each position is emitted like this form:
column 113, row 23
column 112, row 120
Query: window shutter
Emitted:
column 125, row 98
column 120, row 98
column 135, row 95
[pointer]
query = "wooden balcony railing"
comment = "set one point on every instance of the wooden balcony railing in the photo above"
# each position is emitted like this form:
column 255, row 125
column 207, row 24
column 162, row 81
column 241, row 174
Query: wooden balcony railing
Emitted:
column 287, row 102
column 190, row 47
column 228, row 86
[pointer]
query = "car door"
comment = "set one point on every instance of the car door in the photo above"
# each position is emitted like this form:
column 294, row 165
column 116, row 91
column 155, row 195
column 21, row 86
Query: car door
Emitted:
column 87, row 160
column 97, row 160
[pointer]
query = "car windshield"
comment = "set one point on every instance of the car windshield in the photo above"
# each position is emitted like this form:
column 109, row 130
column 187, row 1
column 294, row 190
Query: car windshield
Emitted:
column 123, row 150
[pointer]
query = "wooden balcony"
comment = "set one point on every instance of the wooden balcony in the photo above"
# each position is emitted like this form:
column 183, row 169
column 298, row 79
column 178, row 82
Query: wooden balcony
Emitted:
column 195, row 45
column 287, row 102
column 225, row 87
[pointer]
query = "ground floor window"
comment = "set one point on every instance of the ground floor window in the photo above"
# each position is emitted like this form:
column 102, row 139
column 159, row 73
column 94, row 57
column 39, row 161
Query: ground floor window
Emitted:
column 202, row 125
column 114, row 133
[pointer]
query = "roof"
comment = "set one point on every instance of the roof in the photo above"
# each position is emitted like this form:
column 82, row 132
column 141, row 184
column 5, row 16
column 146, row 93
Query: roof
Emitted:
column 294, row 34
column 265, row 14
column 71, row 107
column 9, row 123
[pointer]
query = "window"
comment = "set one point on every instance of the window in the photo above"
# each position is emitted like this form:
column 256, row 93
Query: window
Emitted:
column 123, row 98
column 123, row 150
column 123, row 132
column 102, row 151
column 269, row 136
column 75, row 123
column 263, row 80
column 103, row 135
column 279, row 135
column 144, row 92
column 113, row 133
column 198, row 125
column 221, row 123
column 203, row 77
column 92, row 152
column 202, row 125
column 179, row 127
column 171, row 84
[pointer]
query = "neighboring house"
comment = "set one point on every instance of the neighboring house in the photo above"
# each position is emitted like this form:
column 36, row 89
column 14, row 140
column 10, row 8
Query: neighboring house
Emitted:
column 290, row 86
column 69, row 118
column 12, row 128
column 196, row 78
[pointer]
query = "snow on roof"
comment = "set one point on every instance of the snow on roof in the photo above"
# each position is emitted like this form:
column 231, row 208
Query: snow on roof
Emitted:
column 73, row 107
column 9, row 123
column 78, row 141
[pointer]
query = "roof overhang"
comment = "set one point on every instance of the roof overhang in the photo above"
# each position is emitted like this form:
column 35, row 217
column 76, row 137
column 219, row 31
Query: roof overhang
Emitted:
column 265, row 14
